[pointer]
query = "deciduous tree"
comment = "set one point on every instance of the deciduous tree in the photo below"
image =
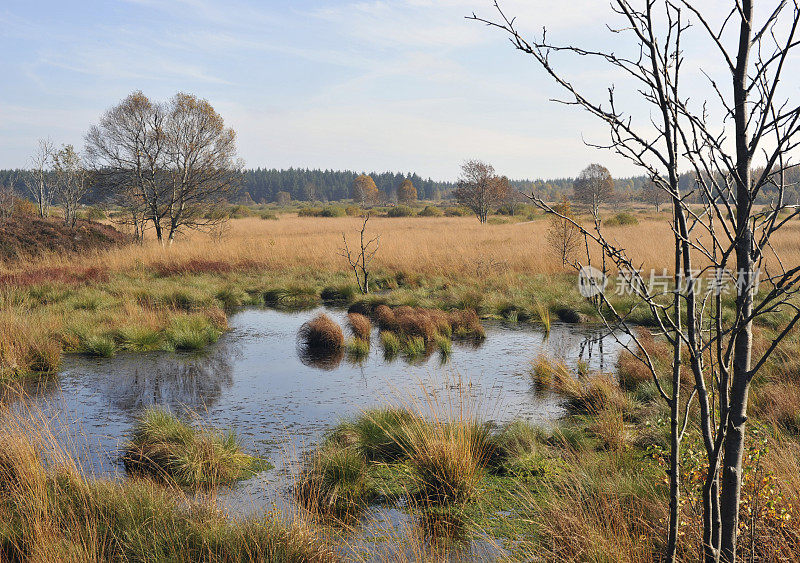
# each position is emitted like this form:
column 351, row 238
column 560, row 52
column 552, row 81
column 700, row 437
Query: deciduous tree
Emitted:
column 593, row 187
column 364, row 190
column 71, row 182
column 39, row 179
column 562, row 235
column 717, row 136
column 406, row 192
column 479, row 189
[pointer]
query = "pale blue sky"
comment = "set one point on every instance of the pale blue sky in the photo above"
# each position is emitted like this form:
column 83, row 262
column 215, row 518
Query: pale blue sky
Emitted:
column 367, row 85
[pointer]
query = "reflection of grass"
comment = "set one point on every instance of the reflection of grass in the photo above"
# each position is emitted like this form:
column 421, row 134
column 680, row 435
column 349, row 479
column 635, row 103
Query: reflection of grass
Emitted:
column 357, row 349
column 170, row 450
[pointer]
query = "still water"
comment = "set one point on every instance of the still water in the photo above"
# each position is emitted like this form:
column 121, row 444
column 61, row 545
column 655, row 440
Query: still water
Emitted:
column 254, row 382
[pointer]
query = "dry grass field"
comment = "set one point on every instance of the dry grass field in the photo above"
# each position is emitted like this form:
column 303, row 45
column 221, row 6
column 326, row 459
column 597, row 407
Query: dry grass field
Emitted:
column 438, row 246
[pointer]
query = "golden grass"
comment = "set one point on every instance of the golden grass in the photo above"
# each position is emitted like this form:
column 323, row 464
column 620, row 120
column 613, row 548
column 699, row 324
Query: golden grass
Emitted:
column 443, row 246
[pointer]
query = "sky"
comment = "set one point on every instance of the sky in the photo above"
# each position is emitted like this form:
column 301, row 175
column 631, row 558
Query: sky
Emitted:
column 400, row 85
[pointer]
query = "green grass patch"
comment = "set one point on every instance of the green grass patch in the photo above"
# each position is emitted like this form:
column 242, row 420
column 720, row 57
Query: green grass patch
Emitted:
column 164, row 447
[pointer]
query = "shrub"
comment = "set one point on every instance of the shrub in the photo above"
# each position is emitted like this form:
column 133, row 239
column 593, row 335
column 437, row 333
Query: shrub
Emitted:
column 431, row 211
column 334, row 483
column 321, row 334
column 621, row 220
column 353, row 211
column 333, row 211
column 360, row 326
column 167, row 449
column 94, row 214
column 240, row 211
column 268, row 215
column 456, row 212
column 400, row 211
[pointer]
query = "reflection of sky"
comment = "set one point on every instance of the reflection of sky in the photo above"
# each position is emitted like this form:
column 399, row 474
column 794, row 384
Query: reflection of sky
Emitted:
column 254, row 382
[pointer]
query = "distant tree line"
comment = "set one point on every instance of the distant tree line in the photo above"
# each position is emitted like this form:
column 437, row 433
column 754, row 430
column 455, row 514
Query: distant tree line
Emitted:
column 263, row 185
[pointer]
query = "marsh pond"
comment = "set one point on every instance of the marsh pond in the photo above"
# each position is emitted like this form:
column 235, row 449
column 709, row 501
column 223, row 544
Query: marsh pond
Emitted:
column 256, row 383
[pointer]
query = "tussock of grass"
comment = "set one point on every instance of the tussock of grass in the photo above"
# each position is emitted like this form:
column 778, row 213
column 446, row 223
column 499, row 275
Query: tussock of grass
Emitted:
column 414, row 347
column 292, row 298
column 391, row 344
column 359, row 326
column 169, row 450
column 549, row 374
column 382, row 435
column 321, row 334
column 99, row 345
column 334, row 483
column 192, row 332
column 139, row 338
column 341, row 293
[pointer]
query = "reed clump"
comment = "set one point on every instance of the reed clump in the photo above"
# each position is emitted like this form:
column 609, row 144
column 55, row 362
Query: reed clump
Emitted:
column 169, row 450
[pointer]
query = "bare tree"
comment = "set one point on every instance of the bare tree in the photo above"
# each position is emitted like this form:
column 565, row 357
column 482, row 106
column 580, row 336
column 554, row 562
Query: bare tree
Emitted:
column 654, row 194
column 128, row 151
column 71, row 182
column 40, row 178
column 361, row 259
column 479, row 188
column 563, row 236
column 594, row 186
column 728, row 236
column 175, row 161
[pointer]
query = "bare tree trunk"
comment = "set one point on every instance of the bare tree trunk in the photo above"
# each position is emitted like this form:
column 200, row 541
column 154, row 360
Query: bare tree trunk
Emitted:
column 740, row 384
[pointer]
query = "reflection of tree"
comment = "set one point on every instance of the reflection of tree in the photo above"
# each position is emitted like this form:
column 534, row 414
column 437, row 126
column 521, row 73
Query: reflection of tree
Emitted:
column 193, row 381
